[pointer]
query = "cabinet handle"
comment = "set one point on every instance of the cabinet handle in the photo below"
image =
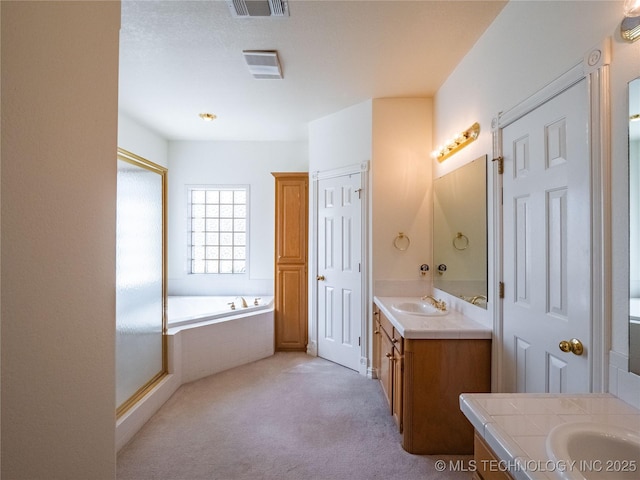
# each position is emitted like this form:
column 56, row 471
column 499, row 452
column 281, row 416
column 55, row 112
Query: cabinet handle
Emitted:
column 376, row 332
column 394, row 340
column 389, row 355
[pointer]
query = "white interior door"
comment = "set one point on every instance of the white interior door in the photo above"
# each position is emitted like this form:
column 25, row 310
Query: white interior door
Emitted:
column 339, row 269
column 547, row 246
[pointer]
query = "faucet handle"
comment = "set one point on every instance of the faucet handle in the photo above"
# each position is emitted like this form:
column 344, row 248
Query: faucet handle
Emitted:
column 256, row 301
column 233, row 305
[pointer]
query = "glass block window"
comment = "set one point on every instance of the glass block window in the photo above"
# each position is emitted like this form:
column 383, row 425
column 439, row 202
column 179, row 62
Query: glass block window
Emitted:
column 218, row 229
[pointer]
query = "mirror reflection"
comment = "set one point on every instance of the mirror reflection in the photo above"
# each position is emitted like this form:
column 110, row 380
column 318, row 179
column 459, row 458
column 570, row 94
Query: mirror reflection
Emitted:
column 460, row 232
column 634, row 226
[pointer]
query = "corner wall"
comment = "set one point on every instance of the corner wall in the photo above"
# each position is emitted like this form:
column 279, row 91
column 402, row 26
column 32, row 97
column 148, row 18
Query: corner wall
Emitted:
column 59, row 130
column 138, row 139
column 402, row 195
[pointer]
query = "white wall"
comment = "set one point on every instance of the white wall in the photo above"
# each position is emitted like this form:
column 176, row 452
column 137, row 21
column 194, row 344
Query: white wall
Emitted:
column 233, row 163
column 341, row 139
column 139, row 139
column 59, row 130
column 529, row 45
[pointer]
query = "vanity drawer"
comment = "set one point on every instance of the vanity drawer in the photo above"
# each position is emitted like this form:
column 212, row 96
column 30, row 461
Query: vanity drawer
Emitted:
column 392, row 333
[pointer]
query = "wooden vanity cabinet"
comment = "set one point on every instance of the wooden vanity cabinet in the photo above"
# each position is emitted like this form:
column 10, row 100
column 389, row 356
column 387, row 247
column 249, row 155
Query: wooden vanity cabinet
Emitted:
column 422, row 380
column 486, row 462
column 388, row 361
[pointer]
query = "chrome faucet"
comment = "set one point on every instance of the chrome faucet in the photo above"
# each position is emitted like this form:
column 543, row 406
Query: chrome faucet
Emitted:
column 439, row 304
column 244, row 302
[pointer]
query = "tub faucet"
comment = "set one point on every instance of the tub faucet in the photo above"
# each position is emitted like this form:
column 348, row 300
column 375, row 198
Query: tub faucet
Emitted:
column 476, row 299
column 244, row 302
column 439, row 304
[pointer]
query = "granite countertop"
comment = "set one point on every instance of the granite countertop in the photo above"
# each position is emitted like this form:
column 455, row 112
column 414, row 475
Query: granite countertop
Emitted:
column 454, row 325
column 515, row 425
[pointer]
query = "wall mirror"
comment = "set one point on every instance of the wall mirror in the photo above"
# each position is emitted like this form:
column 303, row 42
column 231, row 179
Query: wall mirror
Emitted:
column 460, row 232
column 634, row 226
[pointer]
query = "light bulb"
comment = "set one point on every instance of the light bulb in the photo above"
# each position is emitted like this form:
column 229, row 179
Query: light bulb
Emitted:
column 631, row 8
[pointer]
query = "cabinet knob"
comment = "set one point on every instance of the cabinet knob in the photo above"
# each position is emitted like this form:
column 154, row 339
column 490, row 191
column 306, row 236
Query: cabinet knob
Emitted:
column 394, row 340
column 389, row 355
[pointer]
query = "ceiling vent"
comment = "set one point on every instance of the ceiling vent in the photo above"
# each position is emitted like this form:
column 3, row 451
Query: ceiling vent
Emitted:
column 263, row 64
column 259, row 8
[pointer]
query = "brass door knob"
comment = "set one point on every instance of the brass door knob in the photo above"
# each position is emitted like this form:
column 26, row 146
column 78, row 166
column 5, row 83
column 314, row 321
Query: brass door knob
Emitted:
column 574, row 346
column 320, row 277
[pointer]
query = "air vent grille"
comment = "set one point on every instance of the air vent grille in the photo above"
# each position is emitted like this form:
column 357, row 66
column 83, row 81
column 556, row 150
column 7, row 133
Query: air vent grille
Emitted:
column 263, row 64
column 258, row 8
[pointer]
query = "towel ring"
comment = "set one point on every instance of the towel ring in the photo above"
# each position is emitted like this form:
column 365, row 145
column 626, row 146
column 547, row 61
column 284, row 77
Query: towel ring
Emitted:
column 401, row 242
column 460, row 242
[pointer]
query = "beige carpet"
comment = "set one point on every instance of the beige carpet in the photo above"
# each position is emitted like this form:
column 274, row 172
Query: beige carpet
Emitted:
column 290, row 416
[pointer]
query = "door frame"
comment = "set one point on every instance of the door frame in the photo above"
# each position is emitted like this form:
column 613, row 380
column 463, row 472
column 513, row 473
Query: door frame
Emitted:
column 365, row 330
column 594, row 67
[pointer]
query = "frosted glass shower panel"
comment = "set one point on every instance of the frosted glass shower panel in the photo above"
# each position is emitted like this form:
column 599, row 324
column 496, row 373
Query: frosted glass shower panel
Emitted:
column 139, row 279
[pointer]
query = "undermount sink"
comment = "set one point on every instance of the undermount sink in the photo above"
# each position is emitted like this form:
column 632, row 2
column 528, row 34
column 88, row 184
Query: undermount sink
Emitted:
column 588, row 451
column 418, row 308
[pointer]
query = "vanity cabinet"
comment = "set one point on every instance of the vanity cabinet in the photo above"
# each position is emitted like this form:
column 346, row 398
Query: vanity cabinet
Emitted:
column 487, row 465
column 388, row 347
column 422, row 379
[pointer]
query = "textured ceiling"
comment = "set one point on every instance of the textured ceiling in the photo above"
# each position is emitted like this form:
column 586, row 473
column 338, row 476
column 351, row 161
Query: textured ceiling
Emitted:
column 181, row 58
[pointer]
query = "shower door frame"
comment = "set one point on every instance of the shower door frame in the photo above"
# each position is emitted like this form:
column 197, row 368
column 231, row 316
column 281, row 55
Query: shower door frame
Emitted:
column 141, row 162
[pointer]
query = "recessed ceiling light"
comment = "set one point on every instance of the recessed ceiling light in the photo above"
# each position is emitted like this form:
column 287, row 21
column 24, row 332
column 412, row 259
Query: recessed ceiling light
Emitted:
column 208, row 117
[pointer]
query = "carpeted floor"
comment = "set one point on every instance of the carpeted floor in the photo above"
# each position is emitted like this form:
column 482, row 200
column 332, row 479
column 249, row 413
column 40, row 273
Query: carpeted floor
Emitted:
column 287, row 417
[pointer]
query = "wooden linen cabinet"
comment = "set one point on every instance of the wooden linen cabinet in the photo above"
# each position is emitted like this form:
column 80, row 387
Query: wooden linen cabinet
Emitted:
column 291, row 245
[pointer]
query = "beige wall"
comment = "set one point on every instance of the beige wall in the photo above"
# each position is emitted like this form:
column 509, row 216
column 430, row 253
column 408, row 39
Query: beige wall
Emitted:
column 59, row 130
column 402, row 189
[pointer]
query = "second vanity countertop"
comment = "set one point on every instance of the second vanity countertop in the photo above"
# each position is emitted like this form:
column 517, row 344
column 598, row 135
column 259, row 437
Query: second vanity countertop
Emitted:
column 516, row 425
column 454, row 325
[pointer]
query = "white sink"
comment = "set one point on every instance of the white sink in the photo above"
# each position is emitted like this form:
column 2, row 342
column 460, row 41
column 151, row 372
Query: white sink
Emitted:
column 587, row 451
column 418, row 308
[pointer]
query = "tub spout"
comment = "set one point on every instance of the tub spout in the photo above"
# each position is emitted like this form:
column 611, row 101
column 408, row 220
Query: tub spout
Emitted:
column 244, row 302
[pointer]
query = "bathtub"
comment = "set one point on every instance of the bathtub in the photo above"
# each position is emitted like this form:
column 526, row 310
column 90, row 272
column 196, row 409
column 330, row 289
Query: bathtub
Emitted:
column 205, row 336
column 188, row 310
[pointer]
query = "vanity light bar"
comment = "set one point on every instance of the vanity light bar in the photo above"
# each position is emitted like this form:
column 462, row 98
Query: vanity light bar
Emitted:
column 458, row 143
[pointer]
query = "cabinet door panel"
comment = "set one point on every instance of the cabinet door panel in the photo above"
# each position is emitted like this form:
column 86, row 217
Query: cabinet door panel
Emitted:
column 291, row 308
column 291, row 205
column 376, row 342
column 386, row 371
column 398, row 384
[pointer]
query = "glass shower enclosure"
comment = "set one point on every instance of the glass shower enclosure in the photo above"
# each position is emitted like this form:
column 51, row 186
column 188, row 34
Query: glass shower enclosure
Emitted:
column 141, row 357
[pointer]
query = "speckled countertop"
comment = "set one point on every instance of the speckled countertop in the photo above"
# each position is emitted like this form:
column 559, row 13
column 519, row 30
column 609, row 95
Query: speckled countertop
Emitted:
column 453, row 325
column 516, row 425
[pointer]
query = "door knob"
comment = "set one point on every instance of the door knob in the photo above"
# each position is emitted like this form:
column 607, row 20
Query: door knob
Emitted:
column 574, row 346
column 320, row 277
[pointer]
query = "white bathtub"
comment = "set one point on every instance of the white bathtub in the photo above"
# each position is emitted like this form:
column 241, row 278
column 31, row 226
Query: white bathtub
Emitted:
column 206, row 336
column 187, row 310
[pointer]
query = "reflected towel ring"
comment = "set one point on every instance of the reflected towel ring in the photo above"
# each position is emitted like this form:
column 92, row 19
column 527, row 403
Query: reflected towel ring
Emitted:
column 460, row 242
column 401, row 242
